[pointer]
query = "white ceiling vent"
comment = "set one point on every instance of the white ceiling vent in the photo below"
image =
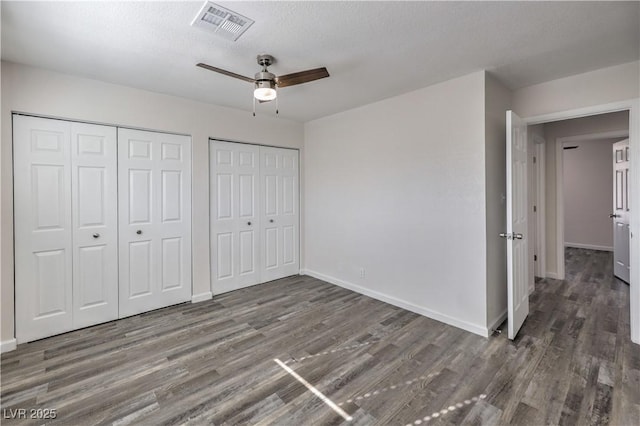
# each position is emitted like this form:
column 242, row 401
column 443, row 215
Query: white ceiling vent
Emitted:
column 224, row 22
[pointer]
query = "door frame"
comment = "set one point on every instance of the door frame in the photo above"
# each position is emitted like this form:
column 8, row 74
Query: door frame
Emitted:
column 539, row 172
column 633, row 106
column 559, row 143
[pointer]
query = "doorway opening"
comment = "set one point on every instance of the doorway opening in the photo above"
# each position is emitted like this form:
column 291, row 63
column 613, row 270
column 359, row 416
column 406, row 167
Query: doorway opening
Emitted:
column 556, row 215
column 571, row 183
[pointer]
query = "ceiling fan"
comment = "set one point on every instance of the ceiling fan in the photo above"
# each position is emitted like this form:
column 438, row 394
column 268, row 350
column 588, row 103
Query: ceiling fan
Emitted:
column 266, row 82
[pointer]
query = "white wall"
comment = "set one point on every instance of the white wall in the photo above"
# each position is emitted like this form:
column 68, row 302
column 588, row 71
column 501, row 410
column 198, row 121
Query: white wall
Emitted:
column 617, row 121
column 606, row 85
column 588, row 194
column 497, row 102
column 36, row 91
column 398, row 188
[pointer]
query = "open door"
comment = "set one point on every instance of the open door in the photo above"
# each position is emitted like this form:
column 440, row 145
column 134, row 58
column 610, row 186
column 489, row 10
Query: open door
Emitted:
column 517, row 252
column 621, row 209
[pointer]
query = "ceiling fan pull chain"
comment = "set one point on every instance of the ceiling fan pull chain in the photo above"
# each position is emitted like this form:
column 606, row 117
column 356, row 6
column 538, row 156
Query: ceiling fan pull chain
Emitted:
column 276, row 105
column 254, row 106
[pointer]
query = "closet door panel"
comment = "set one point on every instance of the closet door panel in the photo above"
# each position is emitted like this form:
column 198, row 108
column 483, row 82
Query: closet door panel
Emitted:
column 155, row 220
column 140, row 270
column 43, row 228
column 136, row 175
column 95, row 224
column 140, row 196
column 174, row 217
column 234, row 215
column 279, row 213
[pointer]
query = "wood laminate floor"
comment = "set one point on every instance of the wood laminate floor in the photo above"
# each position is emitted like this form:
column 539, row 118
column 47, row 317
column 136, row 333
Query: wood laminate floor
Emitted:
column 213, row 362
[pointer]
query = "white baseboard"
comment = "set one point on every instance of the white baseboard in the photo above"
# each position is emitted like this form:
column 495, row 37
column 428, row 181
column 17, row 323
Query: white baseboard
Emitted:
column 470, row 327
column 497, row 321
column 588, row 246
column 8, row 345
column 201, row 297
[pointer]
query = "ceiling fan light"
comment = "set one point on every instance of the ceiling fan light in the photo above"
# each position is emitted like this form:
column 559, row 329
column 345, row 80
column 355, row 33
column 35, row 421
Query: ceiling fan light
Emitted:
column 265, row 90
column 264, row 93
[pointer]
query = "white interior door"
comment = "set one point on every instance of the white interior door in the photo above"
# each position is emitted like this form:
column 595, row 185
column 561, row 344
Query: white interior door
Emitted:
column 234, row 217
column 279, row 214
column 620, row 213
column 94, row 183
column 154, row 176
column 43, row 229
column 517, row 250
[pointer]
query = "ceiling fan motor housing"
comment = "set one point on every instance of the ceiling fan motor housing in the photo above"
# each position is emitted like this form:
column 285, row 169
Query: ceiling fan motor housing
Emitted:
column 265, row 79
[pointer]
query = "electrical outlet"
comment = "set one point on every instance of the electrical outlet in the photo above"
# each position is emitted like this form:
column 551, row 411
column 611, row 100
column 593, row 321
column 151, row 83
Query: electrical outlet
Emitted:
column 361, row 272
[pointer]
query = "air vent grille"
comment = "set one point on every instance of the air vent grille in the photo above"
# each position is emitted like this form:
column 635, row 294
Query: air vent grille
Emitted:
column 221, row 21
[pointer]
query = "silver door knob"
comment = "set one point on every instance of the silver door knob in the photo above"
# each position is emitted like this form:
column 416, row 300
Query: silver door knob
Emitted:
column 612, row 215
column 518, row 236
column 139, row 232
column 505, row 235
column 96, row 235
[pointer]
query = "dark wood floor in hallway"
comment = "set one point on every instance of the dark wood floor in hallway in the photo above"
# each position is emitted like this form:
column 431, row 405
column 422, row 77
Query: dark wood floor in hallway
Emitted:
column 213, row 362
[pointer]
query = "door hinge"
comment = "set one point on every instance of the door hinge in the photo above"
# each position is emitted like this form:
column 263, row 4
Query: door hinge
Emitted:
column 535, row 258
column 535, row 209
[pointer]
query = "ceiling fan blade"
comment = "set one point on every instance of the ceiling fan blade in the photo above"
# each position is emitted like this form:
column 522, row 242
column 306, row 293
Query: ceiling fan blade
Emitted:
column 225, row 72
column 302, row 77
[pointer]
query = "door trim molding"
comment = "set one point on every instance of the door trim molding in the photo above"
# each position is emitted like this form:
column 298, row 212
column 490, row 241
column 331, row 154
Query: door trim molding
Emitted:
column 633, row 106
column 583, row 112
column 98, row 123
column 541, row 216
column 212, row 139
column 560, row 240
column 8, row 345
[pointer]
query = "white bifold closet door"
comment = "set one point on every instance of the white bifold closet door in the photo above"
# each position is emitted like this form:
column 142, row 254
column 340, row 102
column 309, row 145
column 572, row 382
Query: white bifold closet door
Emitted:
column 279, row 206
column 155, row 220
column 235, row 226
column 254, row 214
column 94, row 201
column 65, row 226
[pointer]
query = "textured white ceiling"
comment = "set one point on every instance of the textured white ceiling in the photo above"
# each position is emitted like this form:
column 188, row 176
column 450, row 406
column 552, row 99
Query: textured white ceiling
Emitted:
column 373, row 50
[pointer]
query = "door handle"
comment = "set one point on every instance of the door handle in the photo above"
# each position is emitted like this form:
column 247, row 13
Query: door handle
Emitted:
column 271, row 220
column 139, row 232
column 249, row 223
column 518, row 236
column 505, row 235
column 612, row 215
column 96, row 235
